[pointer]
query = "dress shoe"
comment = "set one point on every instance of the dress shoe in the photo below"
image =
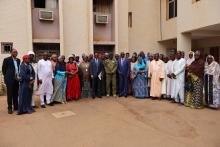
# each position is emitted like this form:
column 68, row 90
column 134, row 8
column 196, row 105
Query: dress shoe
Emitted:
column 43, row 106
column 51, row 104
column 19, row 113
column 35, row 107
column 10, row 111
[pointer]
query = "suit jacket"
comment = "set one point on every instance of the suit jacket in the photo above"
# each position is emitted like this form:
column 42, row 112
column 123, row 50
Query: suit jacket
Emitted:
column 8, row 70
column 94, row 68
column 124, row 69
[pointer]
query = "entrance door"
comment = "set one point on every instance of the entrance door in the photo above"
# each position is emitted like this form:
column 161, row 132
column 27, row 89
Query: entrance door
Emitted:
column 51, row 48
column 102, row 49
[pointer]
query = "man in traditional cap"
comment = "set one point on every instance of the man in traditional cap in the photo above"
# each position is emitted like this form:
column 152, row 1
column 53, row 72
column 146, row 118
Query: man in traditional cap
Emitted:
column 156, row 74
column 45, row 75
column 27, row 78
column 34, row 65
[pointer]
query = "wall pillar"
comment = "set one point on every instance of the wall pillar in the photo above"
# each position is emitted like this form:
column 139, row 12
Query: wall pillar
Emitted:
column 90, row 27
column 116, row 26
column 61, row 27
column 29, row 26
column 184, row 42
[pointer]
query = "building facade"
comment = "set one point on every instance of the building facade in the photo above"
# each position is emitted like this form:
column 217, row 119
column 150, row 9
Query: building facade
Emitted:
column 87, row 26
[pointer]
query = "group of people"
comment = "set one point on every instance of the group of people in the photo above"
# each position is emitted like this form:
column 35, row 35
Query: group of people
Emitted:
column 190, row 81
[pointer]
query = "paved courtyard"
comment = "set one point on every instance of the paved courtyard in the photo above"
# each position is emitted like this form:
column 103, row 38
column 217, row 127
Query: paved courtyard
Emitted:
column 111, row 122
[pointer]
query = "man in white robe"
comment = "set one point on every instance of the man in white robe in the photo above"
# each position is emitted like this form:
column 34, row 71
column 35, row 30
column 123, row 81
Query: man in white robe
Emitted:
column 164, row 82
column 169, row 71
column 156, row 74
column 179, row 78
column 45, row 76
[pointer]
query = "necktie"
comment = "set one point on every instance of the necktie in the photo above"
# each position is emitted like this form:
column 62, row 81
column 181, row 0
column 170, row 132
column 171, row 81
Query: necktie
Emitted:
column 96, row 61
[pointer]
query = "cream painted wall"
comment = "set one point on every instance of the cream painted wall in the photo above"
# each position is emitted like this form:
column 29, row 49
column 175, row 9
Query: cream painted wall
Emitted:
column 122, row 25
column 168, row 26
column 76, row 26
column 15, row 25
column 192, row 16
column 145, row 31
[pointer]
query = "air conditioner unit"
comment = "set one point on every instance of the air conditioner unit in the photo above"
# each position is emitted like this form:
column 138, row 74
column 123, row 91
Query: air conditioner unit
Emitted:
column 46, row 15
column 101, row 19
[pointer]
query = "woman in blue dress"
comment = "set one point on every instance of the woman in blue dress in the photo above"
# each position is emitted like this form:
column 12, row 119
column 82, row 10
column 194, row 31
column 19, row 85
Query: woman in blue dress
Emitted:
column 140, row 79
column 59, row 95
column 26, row 77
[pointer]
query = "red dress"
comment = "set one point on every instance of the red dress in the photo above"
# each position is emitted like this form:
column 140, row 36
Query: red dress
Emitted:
column 73, row 82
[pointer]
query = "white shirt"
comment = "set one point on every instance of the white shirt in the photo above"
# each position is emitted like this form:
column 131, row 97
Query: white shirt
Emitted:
column 44, row 69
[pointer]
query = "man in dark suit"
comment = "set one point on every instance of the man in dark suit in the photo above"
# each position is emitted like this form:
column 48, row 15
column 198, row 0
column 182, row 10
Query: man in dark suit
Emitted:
column 10, row 69
column 124, row 72
column 96, row 70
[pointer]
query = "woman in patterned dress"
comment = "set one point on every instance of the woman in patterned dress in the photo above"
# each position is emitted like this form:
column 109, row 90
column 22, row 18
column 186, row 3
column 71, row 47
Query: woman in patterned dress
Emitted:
column 140, row 89
column 212, row 82
column 195, row 76
column 84, row 66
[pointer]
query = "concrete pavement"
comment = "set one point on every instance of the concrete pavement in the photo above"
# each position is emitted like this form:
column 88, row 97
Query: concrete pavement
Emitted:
column 112, row 122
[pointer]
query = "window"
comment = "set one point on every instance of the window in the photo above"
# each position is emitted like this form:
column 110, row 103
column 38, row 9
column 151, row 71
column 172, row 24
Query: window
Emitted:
column 130, row 19
column 51, row 4
column 39, row 3
column 194, row 1
column 172, row 8
column 6, row 47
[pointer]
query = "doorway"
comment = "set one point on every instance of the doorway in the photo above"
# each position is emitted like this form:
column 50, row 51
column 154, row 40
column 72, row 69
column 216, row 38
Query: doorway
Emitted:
column 51, row 48
column 102, row 49
column 214, row 51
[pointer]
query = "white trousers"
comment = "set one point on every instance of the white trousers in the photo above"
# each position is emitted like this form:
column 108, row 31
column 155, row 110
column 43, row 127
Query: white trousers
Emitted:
column 48, row 98
column 33, row 102
column 178, row 93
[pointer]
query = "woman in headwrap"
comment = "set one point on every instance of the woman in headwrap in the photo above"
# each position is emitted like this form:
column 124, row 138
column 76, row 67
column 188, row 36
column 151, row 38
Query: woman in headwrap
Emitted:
column 27, row 77
column 190, row 59
column 212, row 82
column 73, row 82
column 133, row 62
column 59, row 94
column 140, row 79
column 84, row 66
column 188, row 82
column 194, row 91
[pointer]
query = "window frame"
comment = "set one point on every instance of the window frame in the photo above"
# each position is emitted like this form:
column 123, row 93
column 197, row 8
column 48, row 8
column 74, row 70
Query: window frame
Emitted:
column 130, row 19
column 174, row 10
column 3, row 45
